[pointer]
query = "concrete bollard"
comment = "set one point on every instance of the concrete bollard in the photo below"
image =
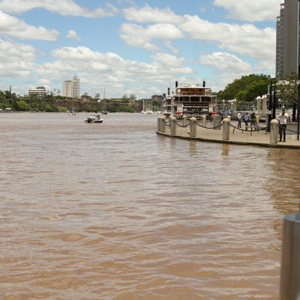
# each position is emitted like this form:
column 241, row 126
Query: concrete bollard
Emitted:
column 226, row 129
column 163, row 124
column 217, row 122
column 159, row 124
column 184, row 120
column 193, row 129
column 274, row 132
column 290, row 258
column 204, row 120
column 173, row 126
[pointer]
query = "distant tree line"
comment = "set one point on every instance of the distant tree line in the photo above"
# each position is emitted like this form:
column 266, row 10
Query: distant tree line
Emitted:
column 51, row 103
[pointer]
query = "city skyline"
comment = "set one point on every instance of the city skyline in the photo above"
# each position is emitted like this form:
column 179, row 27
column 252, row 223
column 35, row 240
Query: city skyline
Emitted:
column 133, row 47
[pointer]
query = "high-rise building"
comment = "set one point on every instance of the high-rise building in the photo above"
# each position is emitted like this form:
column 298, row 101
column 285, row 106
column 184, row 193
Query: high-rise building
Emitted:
column 287, row 38
column 71, row 88
column 67, row 88
column 76, row 87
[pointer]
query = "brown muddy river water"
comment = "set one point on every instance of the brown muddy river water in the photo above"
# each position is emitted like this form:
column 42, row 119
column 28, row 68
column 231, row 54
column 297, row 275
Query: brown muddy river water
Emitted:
column 113, row 211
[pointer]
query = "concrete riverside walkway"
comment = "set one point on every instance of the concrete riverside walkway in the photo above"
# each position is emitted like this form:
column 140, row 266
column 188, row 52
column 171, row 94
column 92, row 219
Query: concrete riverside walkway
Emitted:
column 258, row 136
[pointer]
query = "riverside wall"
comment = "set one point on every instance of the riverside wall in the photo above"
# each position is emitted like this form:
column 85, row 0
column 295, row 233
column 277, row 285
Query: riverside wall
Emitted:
column 225, row 131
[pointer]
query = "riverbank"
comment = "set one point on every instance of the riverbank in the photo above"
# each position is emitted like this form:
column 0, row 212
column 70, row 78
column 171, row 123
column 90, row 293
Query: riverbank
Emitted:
column 256, row 136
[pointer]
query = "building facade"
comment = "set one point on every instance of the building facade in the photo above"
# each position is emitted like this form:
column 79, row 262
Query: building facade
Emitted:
column 71, row 88
column 40, row 92
column 287, row 39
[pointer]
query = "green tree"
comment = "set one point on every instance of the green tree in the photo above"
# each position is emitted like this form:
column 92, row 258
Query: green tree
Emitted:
column 132, row 97
column 125, row 99
column 287, row 89
column 22, row 106
column 247, row 88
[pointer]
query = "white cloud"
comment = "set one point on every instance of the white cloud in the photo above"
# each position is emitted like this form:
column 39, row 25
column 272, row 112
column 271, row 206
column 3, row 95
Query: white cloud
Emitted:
column 241, row 39
column 43, row 82
column 148, row 14
column 84, row 54
column 140, row 37
column 73, row 35
column 16, row 60
column 225, row 62
column 16, row 70
column 170, row 47
column 168, row 60
column 62, row 7
column 244, row 40
column 250, row 10
column 236, row 43
column 138, row 77
column 14, row 27
column 228, row 67
column 134, row 36
column 116, row 66
column 14, row 52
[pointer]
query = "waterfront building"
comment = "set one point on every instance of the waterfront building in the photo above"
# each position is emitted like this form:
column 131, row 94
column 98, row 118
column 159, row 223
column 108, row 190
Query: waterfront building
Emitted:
column 71, row 88
column 67, row 88
column 40, row 92
column 190, row 100
column 157, row 98
column 287, row 39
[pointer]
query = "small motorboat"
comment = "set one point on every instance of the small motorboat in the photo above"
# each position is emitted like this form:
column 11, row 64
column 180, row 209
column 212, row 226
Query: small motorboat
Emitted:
column 93, row 119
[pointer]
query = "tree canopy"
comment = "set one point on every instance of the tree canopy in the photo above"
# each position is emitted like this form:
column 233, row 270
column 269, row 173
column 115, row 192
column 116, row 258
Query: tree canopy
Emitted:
column 247, row 88
column 287, row 89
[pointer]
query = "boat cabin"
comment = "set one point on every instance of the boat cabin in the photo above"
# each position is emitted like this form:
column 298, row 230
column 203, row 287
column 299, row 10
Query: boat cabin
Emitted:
column 190, row 100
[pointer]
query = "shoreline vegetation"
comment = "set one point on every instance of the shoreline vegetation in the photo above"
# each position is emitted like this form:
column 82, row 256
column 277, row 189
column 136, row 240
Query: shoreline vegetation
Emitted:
column 49, row 103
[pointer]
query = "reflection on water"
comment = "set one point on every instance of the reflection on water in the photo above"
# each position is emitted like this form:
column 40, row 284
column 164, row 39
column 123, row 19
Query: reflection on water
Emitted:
column 284, row 183
column 225, row 148
column 112, row 211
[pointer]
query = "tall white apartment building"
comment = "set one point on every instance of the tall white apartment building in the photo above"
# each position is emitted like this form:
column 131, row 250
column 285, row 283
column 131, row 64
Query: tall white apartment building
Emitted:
column 287, row 38
column 71, row 88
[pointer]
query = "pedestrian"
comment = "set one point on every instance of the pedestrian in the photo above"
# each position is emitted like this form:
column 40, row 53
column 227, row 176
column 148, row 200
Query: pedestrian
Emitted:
column 283, row 118
column 246, row 119
column 253, row 119
column 240, row 117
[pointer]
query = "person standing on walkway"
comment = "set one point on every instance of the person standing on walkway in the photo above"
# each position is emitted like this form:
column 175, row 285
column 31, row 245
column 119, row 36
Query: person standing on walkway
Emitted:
column 283, row 118
column 239, row 119
column 246, row 119
column 253, row 119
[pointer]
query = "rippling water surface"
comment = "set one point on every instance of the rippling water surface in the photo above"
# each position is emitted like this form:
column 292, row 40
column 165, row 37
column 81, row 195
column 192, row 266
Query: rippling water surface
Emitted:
column 113, row 211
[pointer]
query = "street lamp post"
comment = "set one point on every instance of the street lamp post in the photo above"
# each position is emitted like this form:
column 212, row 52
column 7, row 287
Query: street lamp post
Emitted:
column 274, row 102
column 270, row 105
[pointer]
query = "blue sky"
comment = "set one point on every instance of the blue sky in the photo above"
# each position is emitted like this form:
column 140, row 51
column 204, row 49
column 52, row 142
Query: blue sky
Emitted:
column 124, row 47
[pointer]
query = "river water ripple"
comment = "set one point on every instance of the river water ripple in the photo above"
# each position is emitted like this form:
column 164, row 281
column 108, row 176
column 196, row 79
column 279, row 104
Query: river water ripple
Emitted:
column 113, row 211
